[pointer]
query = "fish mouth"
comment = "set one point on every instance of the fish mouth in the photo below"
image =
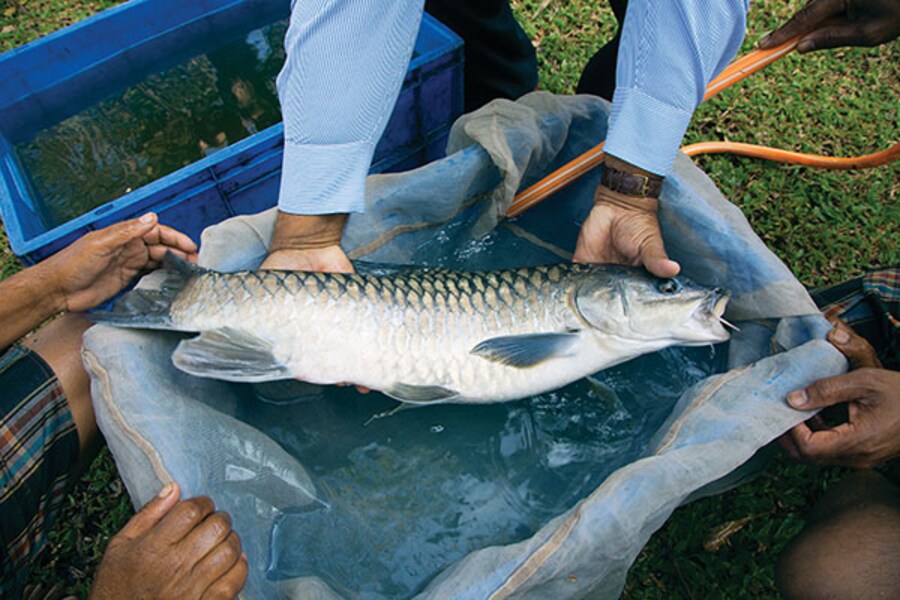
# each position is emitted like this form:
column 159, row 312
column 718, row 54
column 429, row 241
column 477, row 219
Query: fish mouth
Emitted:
column 713, row 310
column 718, row 300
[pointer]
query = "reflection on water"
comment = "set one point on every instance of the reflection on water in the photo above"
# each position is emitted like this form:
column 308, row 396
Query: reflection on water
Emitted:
column 409, row 495
column 169, row 120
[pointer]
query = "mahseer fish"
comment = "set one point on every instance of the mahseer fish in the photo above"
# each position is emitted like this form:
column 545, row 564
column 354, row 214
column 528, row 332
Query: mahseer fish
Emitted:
column 426, row 335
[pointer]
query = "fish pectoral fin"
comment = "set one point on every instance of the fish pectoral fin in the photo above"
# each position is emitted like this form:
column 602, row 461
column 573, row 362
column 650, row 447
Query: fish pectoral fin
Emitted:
column 230, row 354
column 420, row 394
column 523, row 351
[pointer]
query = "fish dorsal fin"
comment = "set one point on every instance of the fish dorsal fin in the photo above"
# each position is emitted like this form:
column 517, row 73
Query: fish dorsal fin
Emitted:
column 230, row 354
column 420, row 394
column 522, row 351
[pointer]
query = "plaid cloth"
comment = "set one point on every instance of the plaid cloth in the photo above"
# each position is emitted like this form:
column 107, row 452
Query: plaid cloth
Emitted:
column 38, row 451
column 871, row 306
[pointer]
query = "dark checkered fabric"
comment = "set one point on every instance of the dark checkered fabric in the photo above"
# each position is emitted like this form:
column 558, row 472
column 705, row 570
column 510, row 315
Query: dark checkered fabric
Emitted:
column 38, row 451
column 871, row 306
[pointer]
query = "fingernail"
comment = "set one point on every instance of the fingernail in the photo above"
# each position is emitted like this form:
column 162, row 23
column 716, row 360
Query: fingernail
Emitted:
column 244, row 556
column 166, row 491
column 806, row 46
column 764, row 39
column 840, row 336
column 798, row 399
column 148, row 218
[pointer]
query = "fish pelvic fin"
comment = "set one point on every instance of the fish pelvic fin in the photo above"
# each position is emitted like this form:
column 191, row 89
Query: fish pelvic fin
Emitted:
column 149, row 308
column 523, row 351
column 230, row 354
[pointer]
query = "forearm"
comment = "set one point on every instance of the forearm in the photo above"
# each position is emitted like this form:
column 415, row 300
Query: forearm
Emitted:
column 345, row 65
column 669, row 52
column 27, row 299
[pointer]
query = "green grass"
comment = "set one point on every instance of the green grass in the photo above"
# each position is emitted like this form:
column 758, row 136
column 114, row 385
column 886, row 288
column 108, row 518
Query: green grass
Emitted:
column 826, row 225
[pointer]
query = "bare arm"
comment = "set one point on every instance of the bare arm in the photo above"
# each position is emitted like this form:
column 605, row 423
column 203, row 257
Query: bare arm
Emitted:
column 27, row 299
column 91, row 270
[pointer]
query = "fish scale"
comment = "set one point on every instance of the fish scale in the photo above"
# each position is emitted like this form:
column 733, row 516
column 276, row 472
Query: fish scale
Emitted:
column 422, row 336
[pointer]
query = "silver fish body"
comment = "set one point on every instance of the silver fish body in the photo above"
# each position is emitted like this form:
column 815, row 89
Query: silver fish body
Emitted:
column 424, row 336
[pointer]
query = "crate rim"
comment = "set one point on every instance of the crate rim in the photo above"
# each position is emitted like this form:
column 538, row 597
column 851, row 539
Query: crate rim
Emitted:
column 131, row 202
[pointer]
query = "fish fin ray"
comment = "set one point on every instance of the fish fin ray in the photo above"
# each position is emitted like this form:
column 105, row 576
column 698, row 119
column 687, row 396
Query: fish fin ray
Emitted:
column 231, row 354
column 181, row 268
column 522, row 351
column 403, row 406
column 420, row 394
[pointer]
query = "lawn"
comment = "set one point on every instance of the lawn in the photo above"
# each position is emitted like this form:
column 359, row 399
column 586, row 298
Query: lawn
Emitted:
column 826, row 225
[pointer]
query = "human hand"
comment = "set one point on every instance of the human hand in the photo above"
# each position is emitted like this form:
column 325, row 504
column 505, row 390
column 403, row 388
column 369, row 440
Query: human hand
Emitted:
column 833, row 23
column 872, row 433
column 330, row 259
column 173, row 549
column 97, row 266
column 622, row 234
column 308, row 243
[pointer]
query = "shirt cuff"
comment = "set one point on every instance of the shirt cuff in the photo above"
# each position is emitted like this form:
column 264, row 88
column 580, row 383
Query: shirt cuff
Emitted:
column 321, row 179
column 644, row 131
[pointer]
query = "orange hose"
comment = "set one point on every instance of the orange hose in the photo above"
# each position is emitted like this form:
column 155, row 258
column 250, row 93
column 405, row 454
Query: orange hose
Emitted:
column 555, row 181
column 747, row 65
column 796, row 158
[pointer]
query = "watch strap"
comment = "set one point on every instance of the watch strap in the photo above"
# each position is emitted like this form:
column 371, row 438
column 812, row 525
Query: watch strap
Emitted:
column 631, row 184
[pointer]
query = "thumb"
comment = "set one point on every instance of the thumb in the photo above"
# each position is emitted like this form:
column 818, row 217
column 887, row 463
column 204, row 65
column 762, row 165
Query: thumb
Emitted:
column 152, row 512
column 827, row 391
column 856, row 348
column 655, row 259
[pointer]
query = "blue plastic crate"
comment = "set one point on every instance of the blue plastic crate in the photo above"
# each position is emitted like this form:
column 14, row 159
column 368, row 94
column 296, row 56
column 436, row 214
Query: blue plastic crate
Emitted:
column 55, row 77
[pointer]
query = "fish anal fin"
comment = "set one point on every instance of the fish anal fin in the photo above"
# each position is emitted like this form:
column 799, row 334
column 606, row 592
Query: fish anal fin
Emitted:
column 230, row 354
column 522, row 351
column 420, row 394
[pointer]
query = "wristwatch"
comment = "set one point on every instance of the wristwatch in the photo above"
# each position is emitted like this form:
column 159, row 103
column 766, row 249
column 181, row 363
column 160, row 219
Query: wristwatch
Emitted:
column 631, row 184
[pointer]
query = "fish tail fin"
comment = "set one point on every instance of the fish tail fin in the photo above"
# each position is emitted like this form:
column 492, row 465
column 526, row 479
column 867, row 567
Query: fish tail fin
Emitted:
column 150, row 308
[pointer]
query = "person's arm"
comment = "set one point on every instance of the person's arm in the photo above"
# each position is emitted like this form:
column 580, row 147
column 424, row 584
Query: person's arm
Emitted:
column 669, row 52
column 91, row 270
column 345, row 65
column 25, row 303
column 834, row 23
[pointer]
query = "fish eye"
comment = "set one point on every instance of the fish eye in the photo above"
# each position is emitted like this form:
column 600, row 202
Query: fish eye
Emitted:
column 668, row 286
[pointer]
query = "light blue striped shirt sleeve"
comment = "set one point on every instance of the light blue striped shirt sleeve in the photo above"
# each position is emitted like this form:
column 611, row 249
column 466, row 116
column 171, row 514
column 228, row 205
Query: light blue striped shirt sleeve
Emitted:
column 670, row 50
column 346, row 61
